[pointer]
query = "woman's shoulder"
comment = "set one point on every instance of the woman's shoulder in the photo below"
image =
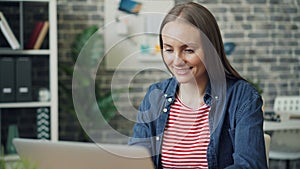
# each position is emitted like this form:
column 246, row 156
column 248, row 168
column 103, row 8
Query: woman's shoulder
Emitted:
column 164, row 84
column 243, row 96
column 158, row 90
column 241, row 87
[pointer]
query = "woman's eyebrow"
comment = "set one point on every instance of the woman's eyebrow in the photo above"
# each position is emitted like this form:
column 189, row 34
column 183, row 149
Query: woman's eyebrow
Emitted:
column 191, row 44
column 167, row 45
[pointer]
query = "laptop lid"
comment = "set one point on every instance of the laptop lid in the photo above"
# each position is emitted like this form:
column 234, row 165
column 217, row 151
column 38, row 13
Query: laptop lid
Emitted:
column 77, row 155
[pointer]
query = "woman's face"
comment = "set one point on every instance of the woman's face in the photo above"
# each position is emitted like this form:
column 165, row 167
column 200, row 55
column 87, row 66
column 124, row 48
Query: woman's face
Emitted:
column 182, row 52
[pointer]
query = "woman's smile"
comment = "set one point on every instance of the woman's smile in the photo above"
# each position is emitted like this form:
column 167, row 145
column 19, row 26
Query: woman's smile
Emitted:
column 182, row 70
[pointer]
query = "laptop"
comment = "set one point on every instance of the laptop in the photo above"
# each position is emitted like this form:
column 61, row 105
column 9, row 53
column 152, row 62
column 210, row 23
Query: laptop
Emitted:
column 46, row 154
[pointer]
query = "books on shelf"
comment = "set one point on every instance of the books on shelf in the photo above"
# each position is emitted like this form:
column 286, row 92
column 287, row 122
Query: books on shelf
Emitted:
column 38, row 35
column 42, row 35
column 8, row 33
column 34, row 35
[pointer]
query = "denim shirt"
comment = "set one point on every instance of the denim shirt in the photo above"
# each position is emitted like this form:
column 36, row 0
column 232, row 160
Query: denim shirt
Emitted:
column 236, row 141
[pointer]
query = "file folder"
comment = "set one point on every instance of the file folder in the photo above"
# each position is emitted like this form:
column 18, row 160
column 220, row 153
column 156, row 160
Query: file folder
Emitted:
column 23, row 79
column 7, row 79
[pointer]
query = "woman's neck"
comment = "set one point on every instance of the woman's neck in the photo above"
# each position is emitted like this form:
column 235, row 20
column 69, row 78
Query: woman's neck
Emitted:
column 191, row 94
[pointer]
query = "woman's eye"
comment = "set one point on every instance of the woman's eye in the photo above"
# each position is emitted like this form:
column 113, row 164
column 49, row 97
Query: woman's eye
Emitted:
column 189, row 51
column 168, row 50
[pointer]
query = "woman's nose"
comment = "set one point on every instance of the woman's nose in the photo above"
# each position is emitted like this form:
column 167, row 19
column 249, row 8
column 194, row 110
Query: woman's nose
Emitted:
column 178, row 60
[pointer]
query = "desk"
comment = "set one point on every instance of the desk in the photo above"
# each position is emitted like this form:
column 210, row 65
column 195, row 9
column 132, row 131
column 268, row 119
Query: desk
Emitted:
column 284, row 144
column 284, row 125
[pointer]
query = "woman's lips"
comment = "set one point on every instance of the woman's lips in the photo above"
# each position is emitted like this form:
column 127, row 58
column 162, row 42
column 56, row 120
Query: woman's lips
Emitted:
column 182, row 71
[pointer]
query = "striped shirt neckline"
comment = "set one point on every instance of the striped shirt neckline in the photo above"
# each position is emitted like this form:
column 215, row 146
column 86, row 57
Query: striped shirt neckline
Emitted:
column 186, row 137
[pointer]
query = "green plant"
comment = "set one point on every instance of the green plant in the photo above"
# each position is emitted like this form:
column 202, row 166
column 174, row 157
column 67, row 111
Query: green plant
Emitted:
column 20, row 164
column 2, row 160
column 24, row 164
column 91, row 51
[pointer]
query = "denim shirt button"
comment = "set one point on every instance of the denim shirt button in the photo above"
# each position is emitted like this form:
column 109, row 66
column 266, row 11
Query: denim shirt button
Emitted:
column 165, row 95
column 170, row 99
column 165, row 110
column 157, row 138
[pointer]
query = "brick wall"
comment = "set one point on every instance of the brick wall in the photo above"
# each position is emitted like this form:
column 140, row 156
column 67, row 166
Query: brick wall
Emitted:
column 73, row 17
column 266, row 33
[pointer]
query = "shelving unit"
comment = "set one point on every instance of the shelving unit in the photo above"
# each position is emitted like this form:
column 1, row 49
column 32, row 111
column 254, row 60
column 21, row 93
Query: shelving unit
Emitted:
column 47, row 54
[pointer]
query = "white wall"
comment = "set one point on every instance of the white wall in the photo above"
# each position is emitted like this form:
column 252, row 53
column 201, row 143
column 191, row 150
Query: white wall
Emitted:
column 124, row 38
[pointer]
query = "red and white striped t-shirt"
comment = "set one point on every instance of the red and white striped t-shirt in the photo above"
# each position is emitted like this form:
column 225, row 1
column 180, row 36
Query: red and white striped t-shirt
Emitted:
column 186, row 137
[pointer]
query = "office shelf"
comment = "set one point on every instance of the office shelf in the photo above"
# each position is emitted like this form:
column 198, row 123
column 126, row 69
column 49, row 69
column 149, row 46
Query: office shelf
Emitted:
column 22, row 14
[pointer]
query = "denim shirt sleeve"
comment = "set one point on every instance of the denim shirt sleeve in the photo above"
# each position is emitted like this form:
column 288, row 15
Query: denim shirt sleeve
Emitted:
column 152, row 117
column 141, row 127
column 145, row 130
column 246, row 129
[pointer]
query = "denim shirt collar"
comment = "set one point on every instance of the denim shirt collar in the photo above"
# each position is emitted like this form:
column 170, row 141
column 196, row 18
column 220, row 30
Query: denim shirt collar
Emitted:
column 171, row 91
column 216, row 103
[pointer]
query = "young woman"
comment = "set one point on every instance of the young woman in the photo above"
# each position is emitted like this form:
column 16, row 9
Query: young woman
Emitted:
column 206, row 115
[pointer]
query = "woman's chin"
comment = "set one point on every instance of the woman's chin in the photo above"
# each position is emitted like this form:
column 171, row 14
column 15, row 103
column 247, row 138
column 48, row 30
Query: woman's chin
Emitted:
column 183, row 80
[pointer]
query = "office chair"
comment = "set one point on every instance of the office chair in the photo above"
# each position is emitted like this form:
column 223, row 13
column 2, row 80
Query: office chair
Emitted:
column 267, row 145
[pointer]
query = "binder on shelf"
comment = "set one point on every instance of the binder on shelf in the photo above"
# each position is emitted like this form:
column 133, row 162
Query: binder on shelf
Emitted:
column 23, row 79
column 8, row 33
column 7, row 79
column 38, row 35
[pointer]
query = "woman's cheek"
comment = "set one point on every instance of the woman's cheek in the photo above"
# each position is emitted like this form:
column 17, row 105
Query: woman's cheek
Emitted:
column 167, row 59
column 196, row 59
